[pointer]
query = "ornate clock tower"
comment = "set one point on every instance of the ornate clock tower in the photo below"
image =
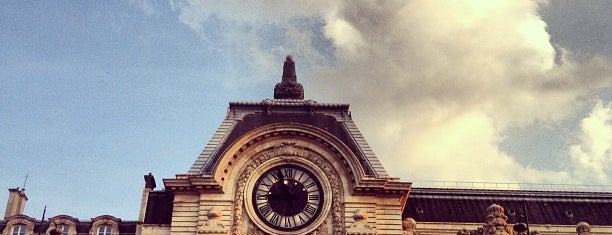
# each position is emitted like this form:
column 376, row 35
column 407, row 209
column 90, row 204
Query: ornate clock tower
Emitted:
column 287, row 166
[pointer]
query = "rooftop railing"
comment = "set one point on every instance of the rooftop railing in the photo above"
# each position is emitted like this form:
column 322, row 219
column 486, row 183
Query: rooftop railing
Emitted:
column 511, row 186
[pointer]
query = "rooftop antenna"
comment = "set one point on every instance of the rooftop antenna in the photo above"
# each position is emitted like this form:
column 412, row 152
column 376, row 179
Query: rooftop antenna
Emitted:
column 24, row 182
column 42, row 220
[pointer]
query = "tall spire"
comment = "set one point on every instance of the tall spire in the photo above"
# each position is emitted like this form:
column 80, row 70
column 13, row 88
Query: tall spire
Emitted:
column 289, row 88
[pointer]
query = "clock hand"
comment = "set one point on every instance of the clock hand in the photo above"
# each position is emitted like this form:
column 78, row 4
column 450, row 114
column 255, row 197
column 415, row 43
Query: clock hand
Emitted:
column 279, row 174
column 274, row 196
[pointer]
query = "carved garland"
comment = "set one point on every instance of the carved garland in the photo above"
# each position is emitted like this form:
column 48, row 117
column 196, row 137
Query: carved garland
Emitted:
column 291, row 150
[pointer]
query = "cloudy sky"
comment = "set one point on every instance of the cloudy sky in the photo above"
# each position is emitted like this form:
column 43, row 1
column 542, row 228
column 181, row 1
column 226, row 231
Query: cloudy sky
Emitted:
column 94, row 95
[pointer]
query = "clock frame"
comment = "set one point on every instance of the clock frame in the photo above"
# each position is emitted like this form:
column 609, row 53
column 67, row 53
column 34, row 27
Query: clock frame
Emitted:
column 288, row 197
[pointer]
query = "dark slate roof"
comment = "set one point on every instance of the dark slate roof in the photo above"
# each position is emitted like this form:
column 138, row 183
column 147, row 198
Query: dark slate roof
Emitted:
column 243, row 117
column 127, row 227
column 543, row 207
column 159, row 208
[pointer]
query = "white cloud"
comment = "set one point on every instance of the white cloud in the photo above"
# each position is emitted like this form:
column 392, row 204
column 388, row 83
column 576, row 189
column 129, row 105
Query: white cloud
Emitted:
column 592, row 157
column 344, row 35
column 433, row 86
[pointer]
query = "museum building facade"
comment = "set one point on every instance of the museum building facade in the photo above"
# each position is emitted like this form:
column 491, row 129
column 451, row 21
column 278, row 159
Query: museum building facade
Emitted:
column 293, row 166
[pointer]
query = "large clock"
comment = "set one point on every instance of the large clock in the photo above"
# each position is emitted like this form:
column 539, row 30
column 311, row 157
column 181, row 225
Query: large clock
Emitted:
column 287, row 198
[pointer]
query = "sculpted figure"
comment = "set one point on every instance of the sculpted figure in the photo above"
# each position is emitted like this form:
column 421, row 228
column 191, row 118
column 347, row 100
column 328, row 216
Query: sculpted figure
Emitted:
column 409, row 226
column 496, row 221
column 56, row 231
column 583, row 228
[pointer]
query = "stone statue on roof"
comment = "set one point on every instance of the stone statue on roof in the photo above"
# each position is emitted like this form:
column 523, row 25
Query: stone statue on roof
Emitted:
column 409, row 226
column 496, row 221
column 583, row 228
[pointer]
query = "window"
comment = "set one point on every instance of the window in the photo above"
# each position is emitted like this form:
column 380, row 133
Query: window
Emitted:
column 65, row 228
column 19, row 229
column 103, row 230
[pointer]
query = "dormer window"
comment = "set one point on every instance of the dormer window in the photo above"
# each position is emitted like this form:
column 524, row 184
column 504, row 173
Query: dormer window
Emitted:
column 64, row 222
column 105, row 230
column 65, row 228
column 104, row 225
column 19, row 229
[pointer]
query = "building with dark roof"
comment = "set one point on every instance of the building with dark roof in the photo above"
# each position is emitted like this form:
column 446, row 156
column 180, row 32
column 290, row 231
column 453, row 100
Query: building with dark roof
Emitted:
column 293, row 166
column 444, row 211
column 16, row 223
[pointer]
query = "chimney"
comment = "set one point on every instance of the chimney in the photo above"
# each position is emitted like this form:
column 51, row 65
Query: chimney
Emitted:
column 149, row 186
column 16, row 202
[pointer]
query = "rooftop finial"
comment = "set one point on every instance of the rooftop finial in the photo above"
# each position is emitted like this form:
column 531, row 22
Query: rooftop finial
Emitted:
column 289, row 70
column 289, row 88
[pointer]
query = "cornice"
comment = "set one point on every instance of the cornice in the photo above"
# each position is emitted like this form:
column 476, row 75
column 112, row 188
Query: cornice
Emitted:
column 190, row 183
column 378, row 186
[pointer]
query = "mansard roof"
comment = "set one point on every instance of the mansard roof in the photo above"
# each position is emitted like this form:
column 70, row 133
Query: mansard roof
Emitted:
column 82, row 227
column 288, row 107
column 243, row 117
column 542, row 207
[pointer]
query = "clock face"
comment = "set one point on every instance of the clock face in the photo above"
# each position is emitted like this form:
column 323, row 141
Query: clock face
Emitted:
column 287, row 197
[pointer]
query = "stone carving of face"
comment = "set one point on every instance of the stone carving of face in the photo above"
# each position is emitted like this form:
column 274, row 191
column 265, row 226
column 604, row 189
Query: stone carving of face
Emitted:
column 497, row 219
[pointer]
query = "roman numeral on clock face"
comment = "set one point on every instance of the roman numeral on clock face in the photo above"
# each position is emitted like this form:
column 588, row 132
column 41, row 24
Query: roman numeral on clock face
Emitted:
column 265, row 210
column 288, row 223
column 288, row 173
column 275, row 219
column 310, row 210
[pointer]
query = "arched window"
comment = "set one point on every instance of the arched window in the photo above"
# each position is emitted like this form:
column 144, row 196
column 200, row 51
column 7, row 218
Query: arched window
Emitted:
column 19, row 229
column 105, row 230
column 65, row 228
column 64, row 222
column 104, row 225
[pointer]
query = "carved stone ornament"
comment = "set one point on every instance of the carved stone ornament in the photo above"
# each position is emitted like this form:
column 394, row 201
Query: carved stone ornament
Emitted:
column 495, row 223
column 289, row 88
column 360, row 226
column 464, row 232
column 213, row 225
column 409, row 226
column 288, row 151
column 583, row 228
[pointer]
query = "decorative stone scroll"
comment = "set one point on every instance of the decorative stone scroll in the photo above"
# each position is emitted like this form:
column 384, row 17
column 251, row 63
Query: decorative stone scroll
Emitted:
column 289, row 151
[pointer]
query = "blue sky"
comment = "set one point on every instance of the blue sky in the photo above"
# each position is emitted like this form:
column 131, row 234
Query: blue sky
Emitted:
column 94, row 95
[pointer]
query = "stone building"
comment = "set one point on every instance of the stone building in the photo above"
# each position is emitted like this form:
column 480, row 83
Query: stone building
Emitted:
column 16, row 223
column 447, row 210
column 283, row 166
column 293, row 166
